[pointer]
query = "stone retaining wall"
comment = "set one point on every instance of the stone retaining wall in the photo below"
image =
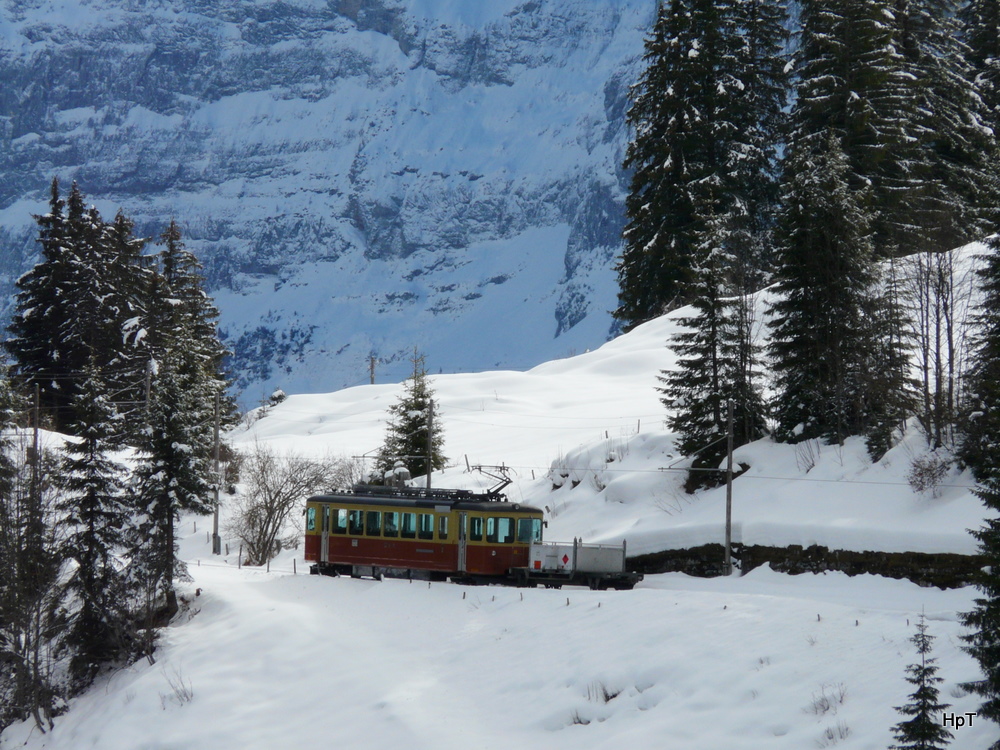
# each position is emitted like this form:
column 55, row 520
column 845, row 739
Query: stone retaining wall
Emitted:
column 941, row 570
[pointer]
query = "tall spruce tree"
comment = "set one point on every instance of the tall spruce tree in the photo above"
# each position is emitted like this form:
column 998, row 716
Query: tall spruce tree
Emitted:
column 826, row 277
column 852, row 79
column 411, row 418
column 184, row 317
column 74, row 306
column 41, row 307
column 983, row 642
column 981, row 32
column 711, row 369
column 704, row 113
column 173, row 472
column 14, row 696
column 890, row 394
column 980, row 445
column 29, row 591
column 173, row 476
column 753, row 173
column 95, row 519
column 129, row 273
column 924, row 729
column 980, row 451
column 953, row 195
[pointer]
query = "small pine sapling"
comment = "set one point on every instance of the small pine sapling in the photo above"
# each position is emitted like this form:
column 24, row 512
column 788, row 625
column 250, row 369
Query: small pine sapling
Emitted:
column 924, row 730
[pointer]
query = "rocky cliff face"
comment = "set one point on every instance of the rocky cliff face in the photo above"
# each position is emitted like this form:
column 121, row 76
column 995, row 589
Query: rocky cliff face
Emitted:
column 359, row 177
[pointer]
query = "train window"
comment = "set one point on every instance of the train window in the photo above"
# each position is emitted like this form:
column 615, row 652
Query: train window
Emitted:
column 311, row 519
column 326, row 518
column 426, row 526
column 356, row 522
column 340, row 521
column 373, row 523
column 476, row 528
column 442, row 527
column 409, row 527
column 491, row 530
column 505, row 530
column 529, row 530
column 391, row 527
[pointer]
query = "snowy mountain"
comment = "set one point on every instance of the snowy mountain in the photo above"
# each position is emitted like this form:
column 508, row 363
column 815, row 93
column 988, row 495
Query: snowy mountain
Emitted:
column 274, row 659
column 359, row 177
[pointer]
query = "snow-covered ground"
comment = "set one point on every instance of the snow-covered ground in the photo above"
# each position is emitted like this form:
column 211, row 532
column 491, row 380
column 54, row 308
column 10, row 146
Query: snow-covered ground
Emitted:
column 273, row 661
column 277, row 660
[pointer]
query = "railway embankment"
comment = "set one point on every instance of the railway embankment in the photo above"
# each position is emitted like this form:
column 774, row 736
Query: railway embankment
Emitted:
column 943, row 570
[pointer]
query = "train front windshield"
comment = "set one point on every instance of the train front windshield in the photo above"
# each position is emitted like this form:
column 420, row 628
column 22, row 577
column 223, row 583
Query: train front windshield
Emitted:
column 529, row 530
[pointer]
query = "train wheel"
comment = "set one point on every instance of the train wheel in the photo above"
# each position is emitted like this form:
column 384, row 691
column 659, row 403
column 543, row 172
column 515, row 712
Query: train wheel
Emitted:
column 519, row 578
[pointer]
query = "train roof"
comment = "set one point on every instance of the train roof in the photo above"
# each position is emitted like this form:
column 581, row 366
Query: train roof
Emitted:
column 420, row 497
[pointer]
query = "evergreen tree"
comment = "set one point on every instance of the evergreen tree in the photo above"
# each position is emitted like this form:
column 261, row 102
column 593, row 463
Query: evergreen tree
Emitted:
column 852, row 79
column 953, row 193
column 129, row 274
column 888, row 76
column 182, row 316
column 410, row 418
column 29, row 594
column 711, row 370
column 924, row 731
column 980, row 446
column 956, row 197
column 95, row 519
column 172, row 476
column 823, row 334
column 74, row 306
column 175, row 449
column 40, row 307
column 980, row 450
column 890, row 393
column 983, row 643
column 12, row 527
column 704, row 114
column 981, row 33
column 753, row 171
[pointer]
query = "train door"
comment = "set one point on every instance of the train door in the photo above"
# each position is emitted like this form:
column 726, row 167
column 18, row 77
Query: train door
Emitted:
column 324, row 548
column 462, row 536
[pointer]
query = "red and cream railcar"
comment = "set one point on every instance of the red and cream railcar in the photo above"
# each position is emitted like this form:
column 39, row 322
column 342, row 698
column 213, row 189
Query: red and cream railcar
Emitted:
column 420, row 533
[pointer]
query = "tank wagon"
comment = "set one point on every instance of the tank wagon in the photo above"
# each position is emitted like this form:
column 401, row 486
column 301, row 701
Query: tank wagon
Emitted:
column 438, row 534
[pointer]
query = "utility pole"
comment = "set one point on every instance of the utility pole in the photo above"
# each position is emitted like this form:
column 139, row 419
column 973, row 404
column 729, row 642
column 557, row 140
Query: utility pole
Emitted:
column 149, row 386
column 430, row 441
column 216, row 540
column 371, row 368
column 727, row 566
column 35, row 458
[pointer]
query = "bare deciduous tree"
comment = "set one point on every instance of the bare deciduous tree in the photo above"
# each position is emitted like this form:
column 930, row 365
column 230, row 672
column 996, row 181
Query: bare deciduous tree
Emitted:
column 274, row 487
column 940, row 294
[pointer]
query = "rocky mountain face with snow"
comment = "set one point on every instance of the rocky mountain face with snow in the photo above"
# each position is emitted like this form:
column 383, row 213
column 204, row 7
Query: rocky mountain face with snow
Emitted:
column 359, row 177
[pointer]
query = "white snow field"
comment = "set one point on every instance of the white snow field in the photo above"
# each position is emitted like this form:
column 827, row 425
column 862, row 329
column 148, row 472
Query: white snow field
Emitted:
column 765, row 661
column 272, row 660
